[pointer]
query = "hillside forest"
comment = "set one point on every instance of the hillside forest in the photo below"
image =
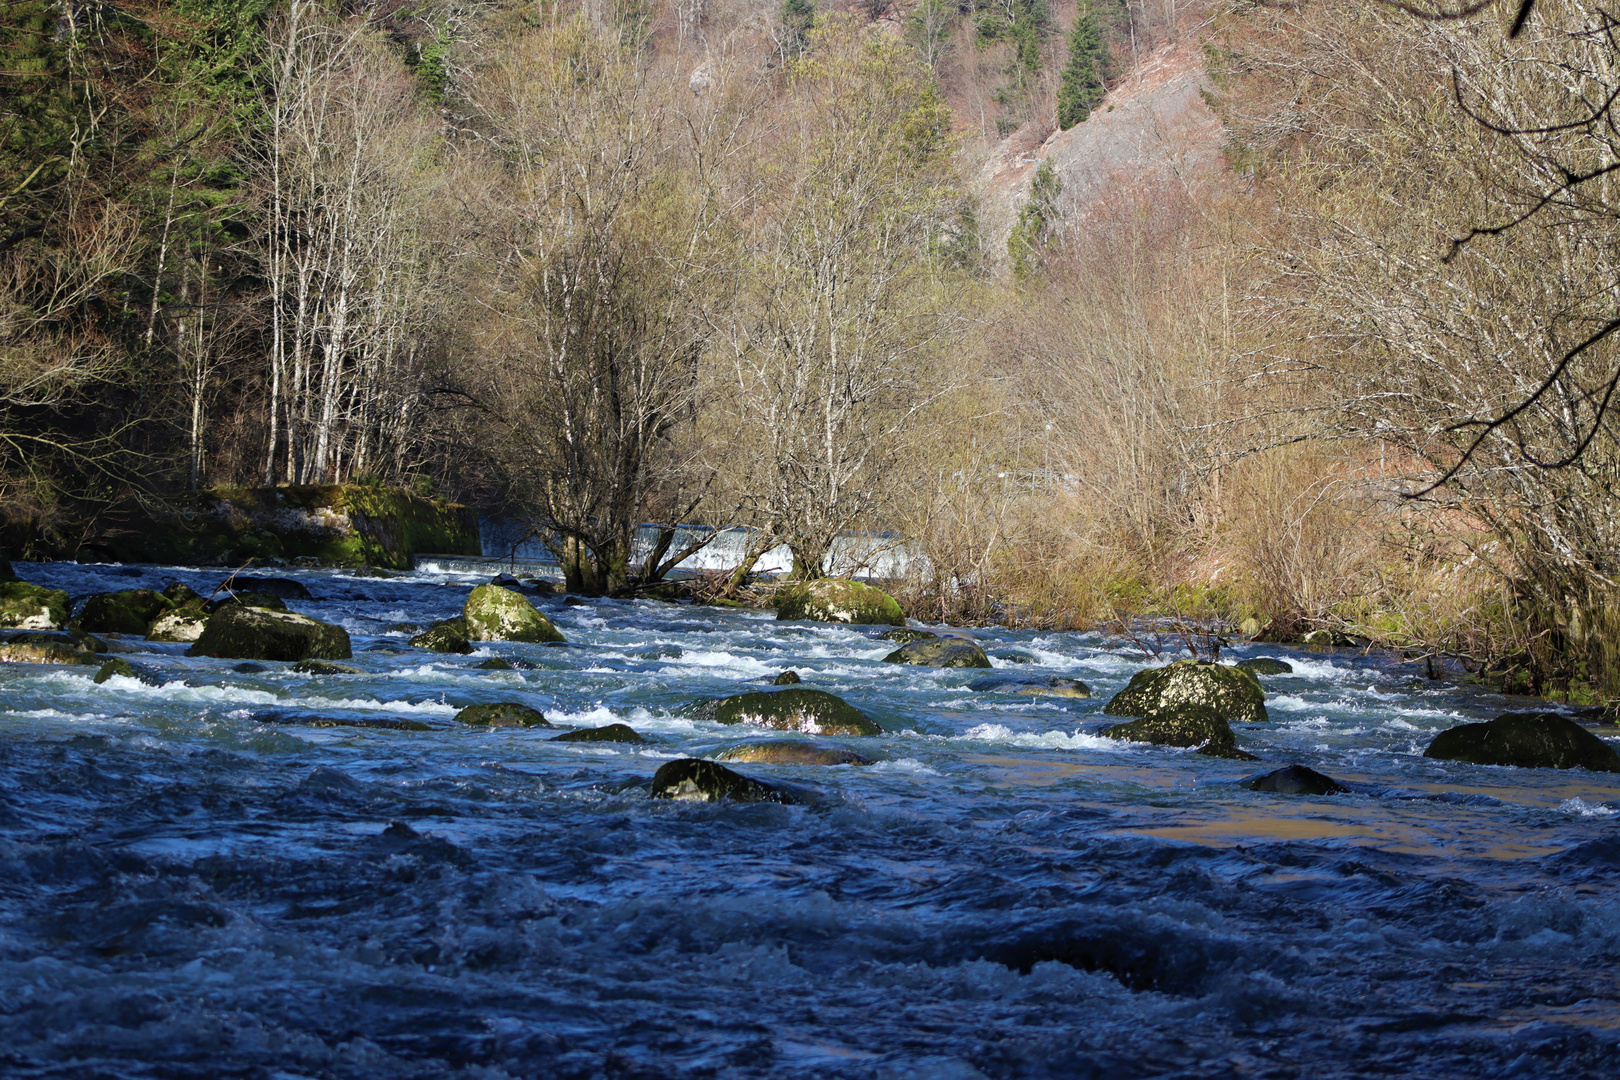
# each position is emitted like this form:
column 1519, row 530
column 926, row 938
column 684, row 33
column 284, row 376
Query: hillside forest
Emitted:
column 587, row 265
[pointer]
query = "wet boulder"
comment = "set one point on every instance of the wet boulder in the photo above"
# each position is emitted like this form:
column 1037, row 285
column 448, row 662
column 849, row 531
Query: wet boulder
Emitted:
column 279, row 587
column 494, row 663
column 1055, row 686
column 246, row 599
column 694, row 780
column 240, row 632
column 787, row 678
column 792, row 752
column 128, row 611
column 947, row 652
column 32, row 607
column 1537, row 740
column 181, row 624
column 1265, row 665
column 119, row 666
column 906, row 636
column 840, row 601
column 813, row 712
column 1014, row 656
column 497, row 614
column 1296, row 780
column 1183, row 725
column 449, row 636
column 1329, row 639
column 321, row 720
column 622, row 733
column 1231, row 692
column 502, row 714
column 322, row 667
column 23, row 651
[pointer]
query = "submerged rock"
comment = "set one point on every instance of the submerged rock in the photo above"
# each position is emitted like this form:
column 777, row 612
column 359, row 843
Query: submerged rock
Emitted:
column 1183, row 725
column 607, row 733
column 497, row 614
column 1055, row 686
column 814, row 712
column 250, row 633
column 1265, row 665
column 495, row 663
column 1537, row 740
column 1231, row 692
column 321, row 667
column 694, row 780
column 1014, row 656
column 787, row 678
column 449, row 636
column 309, row 719
column 502, row 714
column 792, row 752
column 251, row 668
column 129, row 611
column 941, row 653
column 905, row 635
column 1296, row 780
column 840, row 601
column 32, row 607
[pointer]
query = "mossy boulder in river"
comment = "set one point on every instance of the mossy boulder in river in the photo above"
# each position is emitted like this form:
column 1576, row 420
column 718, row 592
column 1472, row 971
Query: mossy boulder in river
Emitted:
column 1266, row 665
column 449, row 636
column 905, row 635
column 246, row 599
column 792, row 752
column 181, row 624
column 44, row 652
column 251, row 633
column 694, row 780
column 814, row 712
column 1232, row 692
column 1183, row 725
column 129, row 611
column 502, row 714
column 32, row 607
column 606, row 733
column 183, row 595
column 1296, row 780
column 940, row 652
column 840, row 601
column 1055, row 686
column 1528, row 740
column 497, row 614
column 787, row 678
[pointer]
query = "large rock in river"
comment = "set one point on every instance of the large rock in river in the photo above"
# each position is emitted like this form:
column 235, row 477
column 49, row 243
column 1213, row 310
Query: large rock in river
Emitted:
column 1183, row 725
column 32, row 607
column 1232, row 692
column 814, row 712
column 250, row 633
column 837, row 600
column 181, row 624
column 497, row 614
column 1529, row 740
column 947, row 652
column 1296, row 780
column 1053, row 686
column 695, row 780
column 502, row 714
column 129, row 611
column 792, row 752
column 448, row 636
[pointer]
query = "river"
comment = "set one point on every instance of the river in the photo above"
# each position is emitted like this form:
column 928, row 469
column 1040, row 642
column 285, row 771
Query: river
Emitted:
column 190, row 886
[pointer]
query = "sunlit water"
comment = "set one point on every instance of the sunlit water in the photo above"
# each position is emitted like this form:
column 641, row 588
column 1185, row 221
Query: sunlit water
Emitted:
column 187, row 890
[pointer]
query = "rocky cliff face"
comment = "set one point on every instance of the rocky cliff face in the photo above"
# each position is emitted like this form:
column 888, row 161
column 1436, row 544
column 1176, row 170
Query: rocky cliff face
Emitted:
column 1154, row 127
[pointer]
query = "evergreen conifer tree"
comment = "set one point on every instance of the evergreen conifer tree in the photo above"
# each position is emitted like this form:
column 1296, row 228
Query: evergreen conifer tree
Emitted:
column 1082, row 88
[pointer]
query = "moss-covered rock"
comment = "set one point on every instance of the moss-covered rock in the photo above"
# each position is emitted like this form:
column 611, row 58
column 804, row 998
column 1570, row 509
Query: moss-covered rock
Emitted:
column 182, row 595
column 44, row 652
column 1193, row 725
column 813, row 712
column 840, row 601
column 497, row 614
column 502, row 714
column 1232, row 692
column 622, row 733
column 128, row 611
column 694, row 780
column 1296, row 780
column 32, row 607
column 322, row 667
column 787, row 678
column 449, row 636
column 1527, row 740
column 1054, row 686
column 312, row 719
column 182, row 624
column 1014, row 656
column 905, row 636
column 494, row 663
column 1329, row 639
column 792, row 752
column 941, row 653
column 116, row 666
column 252, row 633
column 1266, row 665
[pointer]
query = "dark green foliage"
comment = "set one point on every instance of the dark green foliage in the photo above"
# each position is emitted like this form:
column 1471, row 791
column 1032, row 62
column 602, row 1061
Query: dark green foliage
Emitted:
column 1030, row 234
column 1084, row 85
column 798, row 16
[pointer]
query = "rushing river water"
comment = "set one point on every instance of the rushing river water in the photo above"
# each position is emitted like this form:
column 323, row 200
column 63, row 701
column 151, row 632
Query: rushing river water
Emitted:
column 191, row 888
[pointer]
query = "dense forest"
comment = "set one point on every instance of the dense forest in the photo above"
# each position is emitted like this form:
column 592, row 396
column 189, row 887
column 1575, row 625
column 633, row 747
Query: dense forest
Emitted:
column 595, row 264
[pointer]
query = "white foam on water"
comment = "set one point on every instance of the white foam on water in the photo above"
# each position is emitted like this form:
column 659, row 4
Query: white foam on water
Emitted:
column 1581, row 808
column 1048, row 740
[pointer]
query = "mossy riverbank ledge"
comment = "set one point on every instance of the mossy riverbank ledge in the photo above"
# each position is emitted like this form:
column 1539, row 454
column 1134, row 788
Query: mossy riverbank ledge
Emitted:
column 838, row 600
